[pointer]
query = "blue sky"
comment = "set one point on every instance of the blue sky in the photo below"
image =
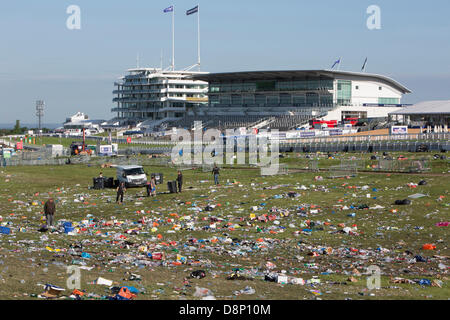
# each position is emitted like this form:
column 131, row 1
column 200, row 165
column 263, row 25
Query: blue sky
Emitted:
column 74, row 70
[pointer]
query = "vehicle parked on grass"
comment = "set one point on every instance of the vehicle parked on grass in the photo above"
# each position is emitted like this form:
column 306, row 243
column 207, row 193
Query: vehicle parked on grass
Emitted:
column 132, row 175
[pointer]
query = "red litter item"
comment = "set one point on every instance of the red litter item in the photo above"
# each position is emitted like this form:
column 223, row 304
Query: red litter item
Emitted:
column 126, row 293
column 428, row 246
column 157, row 256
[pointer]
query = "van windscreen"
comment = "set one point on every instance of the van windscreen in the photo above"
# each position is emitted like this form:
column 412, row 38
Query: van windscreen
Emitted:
column 135, row 171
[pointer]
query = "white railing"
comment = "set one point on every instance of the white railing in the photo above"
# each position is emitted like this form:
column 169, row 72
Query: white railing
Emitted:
column 374, row 138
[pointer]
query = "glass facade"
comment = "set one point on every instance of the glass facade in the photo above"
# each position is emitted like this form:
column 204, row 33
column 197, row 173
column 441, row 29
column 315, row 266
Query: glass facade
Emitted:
column 297, row 92
column 344, row 92
column 257, row 86
column 388, row 100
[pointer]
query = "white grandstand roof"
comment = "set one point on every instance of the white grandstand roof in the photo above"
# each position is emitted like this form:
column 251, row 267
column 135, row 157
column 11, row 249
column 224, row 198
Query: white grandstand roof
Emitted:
column 426, row 107
column 289, row 74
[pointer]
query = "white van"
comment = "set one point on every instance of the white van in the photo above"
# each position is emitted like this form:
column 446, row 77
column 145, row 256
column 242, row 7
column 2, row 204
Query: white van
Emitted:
column 132, row 175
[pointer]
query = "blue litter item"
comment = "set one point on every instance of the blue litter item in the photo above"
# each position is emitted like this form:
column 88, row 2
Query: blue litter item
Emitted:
column 67, row 224
column 420, row 259
column 5, row 230
column 117, row 297
column 425, row 282
column 132, row 289
column 68, row 229
column 86, row 255
column 149, row 254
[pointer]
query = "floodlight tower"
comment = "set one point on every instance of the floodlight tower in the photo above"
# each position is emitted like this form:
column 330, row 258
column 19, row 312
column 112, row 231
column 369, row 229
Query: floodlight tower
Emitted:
column 40, row 111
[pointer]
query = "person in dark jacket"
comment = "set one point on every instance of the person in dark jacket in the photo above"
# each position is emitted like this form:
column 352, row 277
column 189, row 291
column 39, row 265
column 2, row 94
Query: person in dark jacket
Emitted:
column 179, row 181
column 120, row 191
column 49, row 211
column 215, row 172
column 149, row 188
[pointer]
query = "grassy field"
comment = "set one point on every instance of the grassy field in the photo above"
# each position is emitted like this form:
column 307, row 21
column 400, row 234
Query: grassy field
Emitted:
column 387, row 235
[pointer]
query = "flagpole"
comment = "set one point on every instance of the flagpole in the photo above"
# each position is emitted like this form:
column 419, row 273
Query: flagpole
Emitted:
column 339, row 64
column 173, row 39
column 198, row 33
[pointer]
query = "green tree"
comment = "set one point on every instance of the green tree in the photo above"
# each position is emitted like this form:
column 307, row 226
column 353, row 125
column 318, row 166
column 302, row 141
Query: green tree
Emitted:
column 16, row 129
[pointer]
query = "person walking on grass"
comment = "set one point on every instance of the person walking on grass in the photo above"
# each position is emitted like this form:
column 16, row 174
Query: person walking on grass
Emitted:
column 179, row 181
column 49, row 211
column 153, row 186
column 149, row 188
column 215, row 172
column 120, row 191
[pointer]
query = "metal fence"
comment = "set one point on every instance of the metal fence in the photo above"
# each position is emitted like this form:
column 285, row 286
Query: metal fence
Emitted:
column 35, row 162
column 342, row 171
column 374, row 138
column 406, row 165
column 393, row 146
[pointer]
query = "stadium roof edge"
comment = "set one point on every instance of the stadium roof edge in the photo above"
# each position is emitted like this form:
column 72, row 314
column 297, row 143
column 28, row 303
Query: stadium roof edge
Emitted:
column 255, row 75
column 425, row 107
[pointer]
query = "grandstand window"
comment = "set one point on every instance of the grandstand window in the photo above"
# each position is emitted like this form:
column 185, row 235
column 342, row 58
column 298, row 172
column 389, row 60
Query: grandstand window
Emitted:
column 214, row 99
column 312, row 99
column 225, row 88
column 236, row 99
column 285, row 98
column 344, row 93
column 225, row 99
column 299, row 85
column 326, row 99
column 249, row 87
column 248, row 99
column 265, row 85
column 260, row 99
column 271, row 100
column 388, row 100
column 298, row 100
column 313, row 84
column 214, row 88
column 326, row 84
column 236, row 87
column 284, row 85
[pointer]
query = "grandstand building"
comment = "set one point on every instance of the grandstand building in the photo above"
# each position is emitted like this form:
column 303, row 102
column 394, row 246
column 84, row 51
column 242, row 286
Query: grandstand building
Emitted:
column 257, row 99
column 293, row 97
column 147, row 96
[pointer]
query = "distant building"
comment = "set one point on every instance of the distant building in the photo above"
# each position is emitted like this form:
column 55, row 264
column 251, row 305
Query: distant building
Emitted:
column 153, row 95
column 75, row 124
column 333, row 95
column 434, row 116
column 152, row 98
